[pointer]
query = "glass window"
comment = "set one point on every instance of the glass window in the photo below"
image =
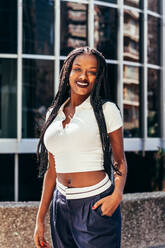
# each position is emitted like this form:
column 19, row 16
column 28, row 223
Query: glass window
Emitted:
column 8, row 26
column 105, row 34
column 154, row 5
column 112, row 82
column 133, row 3
column 131, row 36
column 153, row 103
column 74, row 31
column 7, row 177
column 38, row 27
column 131, row 101
column 29, row 184
column 153, row 40
column 38, row 92
column 8, row 98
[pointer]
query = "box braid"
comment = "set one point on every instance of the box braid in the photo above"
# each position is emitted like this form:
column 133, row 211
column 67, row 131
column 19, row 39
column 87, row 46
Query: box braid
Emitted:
column 97, row 94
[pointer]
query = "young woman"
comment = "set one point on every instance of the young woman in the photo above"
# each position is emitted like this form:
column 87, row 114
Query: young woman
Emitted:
column 85, row 205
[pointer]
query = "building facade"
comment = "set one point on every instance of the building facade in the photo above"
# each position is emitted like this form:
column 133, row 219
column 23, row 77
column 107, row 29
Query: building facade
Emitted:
column 36, row 36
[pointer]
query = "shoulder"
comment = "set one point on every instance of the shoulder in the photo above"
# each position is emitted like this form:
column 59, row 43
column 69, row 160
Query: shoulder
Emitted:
column 111, row 107
column 112, row 116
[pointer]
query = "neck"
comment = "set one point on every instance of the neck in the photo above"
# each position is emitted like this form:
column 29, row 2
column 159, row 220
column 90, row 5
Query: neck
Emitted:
column 76, row 100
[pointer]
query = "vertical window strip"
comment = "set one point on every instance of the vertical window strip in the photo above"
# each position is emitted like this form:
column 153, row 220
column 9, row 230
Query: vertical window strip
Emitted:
column 19, row 71
column 120, row 55
column 145, row 78
column 57, row 45
column 91, row 23
column 162, row 77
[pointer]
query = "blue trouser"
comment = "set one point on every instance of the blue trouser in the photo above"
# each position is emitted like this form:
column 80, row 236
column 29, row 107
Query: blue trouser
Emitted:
column 75, row 225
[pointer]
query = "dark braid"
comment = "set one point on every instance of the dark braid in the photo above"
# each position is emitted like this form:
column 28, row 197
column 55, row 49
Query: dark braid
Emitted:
column 97, row 94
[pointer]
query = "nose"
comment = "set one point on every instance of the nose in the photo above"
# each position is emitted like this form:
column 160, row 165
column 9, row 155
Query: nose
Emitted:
column 83, row 75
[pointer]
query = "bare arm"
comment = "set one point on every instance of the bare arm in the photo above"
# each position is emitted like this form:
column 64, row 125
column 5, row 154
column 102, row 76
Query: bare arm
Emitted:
column 47, row 192
column 116, row 141
column 111, row 202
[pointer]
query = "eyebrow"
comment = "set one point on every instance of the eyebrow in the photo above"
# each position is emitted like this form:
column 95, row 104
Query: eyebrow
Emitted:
column 93, row 67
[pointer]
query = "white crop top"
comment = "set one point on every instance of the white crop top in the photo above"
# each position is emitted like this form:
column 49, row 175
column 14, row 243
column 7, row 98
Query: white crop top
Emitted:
column 77, row 147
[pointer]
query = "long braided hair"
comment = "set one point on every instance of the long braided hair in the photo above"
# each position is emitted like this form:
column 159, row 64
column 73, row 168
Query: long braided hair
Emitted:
column 97, row 94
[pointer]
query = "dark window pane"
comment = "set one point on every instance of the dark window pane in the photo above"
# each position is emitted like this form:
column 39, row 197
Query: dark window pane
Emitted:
column 134, row 3
column 29, row 183
column 132, row 36
column 8, row 98
column 153, row 103
column 74, row 31
column 38, row 27
column 111, row 81
column 153, row 40
column 8, row 26
column 105, row 31
column 154, row 5
column 7, row 177
column 144, row 166
column 131, row 101
column 38, row 91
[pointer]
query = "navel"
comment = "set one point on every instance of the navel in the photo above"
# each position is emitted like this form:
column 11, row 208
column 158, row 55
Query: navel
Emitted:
column 69, row 182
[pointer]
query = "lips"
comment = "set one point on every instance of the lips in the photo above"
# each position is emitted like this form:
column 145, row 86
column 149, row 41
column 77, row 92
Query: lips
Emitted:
column 82, row 84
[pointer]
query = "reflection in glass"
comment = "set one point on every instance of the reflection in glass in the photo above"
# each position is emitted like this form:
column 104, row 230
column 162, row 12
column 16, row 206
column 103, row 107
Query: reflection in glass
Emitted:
column 131, row 101
column 154, row 5
column 8, row 26
column 7, row 177
column 133, row 3
column 131, row 35
column 105, row 34
column 38, row 27
column 8, row 98
column 153, row 103
column 29, row 183
column 153, row 40
column 38, row 91
column 74, row 31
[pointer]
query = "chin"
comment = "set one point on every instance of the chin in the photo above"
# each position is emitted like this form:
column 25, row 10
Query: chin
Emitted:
column 83, row 93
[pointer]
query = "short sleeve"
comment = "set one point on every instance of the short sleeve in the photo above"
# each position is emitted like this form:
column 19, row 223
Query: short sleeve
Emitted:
column 48, row 113
column 112, row 116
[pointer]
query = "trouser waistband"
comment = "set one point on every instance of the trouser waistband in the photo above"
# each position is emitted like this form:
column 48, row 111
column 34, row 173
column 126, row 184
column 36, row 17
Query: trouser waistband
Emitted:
column 78, row 193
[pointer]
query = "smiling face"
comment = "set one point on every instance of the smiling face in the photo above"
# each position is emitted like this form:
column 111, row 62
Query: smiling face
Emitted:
column 83, row 74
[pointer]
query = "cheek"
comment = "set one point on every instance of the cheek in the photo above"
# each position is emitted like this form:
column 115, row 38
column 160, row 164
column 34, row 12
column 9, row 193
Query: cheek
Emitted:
column 71, row 77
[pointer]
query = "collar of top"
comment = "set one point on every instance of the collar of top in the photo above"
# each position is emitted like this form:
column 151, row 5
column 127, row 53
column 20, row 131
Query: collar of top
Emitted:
column 84, row 105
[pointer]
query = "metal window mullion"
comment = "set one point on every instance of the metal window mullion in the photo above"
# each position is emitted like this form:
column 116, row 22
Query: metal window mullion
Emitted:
column 36, row 56
column 120, row 55
column 8, row 56
column 145, row 79
column 75, row 1
column 19, row 72
column 127, row 7
column 162, row 78
column 91, row 23
column 57, row 45
column 106, row 4
column 16, row 178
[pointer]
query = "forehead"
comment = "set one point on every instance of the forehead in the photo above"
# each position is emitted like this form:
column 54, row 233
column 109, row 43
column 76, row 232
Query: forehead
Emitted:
column 87, row 59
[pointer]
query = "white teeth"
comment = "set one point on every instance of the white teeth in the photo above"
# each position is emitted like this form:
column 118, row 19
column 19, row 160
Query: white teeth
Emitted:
column 82, row 83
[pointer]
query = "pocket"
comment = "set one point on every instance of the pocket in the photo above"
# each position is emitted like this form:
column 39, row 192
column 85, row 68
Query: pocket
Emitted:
column 53, row 206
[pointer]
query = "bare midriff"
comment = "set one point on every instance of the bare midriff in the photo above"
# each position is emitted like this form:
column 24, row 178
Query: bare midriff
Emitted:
column 80, row 179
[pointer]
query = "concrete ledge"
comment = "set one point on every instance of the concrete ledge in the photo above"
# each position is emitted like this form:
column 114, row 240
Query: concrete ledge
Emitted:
column 143, row 222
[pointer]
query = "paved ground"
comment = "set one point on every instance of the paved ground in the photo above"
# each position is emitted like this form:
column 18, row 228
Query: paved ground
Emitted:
column 162, row 246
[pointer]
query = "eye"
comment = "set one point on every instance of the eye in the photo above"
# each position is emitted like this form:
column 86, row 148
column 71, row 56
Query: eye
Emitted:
column 92, row 72
column 76, row 69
